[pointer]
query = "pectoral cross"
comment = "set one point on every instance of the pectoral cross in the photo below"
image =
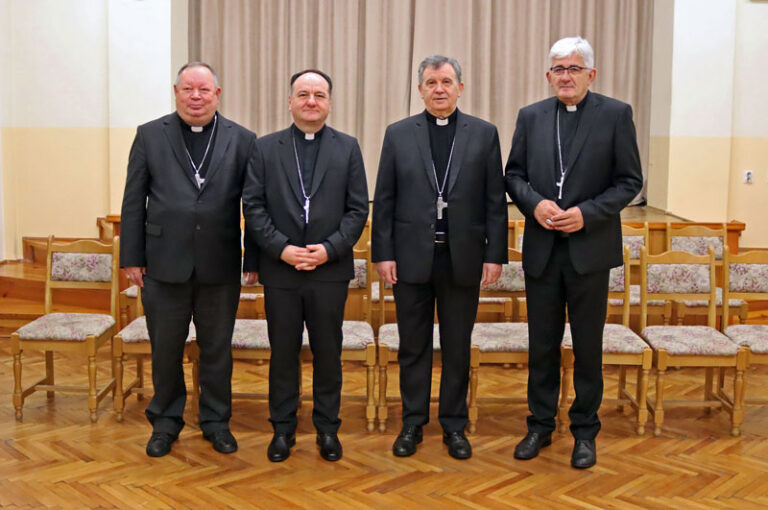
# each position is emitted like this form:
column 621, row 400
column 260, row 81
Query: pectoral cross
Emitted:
column 559, row 185
column 441, row 204
column 306, row 210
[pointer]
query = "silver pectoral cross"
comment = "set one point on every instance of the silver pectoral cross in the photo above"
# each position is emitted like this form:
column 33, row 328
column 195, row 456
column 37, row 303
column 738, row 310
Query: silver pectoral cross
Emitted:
column 306, row 210
column 441, row 204
column 559, row 185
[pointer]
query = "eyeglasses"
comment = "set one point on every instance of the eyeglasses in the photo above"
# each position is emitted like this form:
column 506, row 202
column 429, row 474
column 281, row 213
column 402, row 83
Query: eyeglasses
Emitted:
column 559, row 70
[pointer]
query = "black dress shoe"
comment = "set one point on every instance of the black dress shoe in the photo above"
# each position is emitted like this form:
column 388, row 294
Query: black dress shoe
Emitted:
column 409, row 437
column 159, row 444
column 458, row 445
column 584, row 454
column 280, row 446
column 330, row 446
column 529, row 447
column 222, row 440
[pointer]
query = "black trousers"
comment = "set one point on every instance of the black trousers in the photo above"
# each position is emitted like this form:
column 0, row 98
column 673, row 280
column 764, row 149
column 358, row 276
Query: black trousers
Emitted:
column 169, row 307
column 456, row 312
column 321, row 306
column 586, row 297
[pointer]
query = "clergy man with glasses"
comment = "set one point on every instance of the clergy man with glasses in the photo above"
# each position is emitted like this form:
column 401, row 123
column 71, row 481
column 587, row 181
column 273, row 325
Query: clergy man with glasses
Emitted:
column 574, row 165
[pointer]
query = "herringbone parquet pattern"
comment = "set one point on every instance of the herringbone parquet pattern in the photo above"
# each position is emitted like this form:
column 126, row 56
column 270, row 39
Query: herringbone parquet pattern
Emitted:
column 57, row 459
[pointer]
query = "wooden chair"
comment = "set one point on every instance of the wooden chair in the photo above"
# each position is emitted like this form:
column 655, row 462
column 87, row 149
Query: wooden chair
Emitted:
column 745, row 276
column 622, row 347
column 502, row 295
column 516, row 240
column 359, row 304
column 133, row 341
column 681, row 275
column 634, row 238
column 697, row 239
column 499, row 343
column 80, row 265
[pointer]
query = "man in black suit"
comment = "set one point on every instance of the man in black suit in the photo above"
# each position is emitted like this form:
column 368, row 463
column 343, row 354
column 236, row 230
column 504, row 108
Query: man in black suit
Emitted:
column 306, row 203
column 180, row 229
column 574, row 165
column 439, row 229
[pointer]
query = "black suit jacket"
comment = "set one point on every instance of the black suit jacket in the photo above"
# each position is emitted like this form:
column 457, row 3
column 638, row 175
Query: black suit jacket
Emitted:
column 405, row 208
column 273, row 206
column 604, row 176
column 169, row 225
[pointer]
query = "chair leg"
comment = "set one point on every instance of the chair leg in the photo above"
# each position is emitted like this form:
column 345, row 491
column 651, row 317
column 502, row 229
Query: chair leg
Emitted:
column 622, row 387
column 658, row 412
column 49, row 379
column 18, row 396
column 565, row 387
column 382, row 411
column 642, row 395
column 118, row 400
column 473, row 398
column 737, row 414
column 370, row 407
column 92, row 402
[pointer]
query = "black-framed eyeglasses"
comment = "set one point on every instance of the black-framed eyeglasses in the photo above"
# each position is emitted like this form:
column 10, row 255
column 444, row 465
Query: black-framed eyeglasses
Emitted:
column 559, row 70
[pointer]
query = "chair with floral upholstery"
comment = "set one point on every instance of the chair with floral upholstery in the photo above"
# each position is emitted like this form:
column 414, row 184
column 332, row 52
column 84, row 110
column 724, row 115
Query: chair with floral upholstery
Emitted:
column 634, row 238
column 681, row 275
column 697, row 239
column 502, row 295
column 359, row 302
column 80, row 265
column 622, row 347
column 745, row 276
column 133, row 341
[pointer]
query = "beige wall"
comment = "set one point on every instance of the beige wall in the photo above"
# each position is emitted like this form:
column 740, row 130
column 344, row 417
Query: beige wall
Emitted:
column 85, row 74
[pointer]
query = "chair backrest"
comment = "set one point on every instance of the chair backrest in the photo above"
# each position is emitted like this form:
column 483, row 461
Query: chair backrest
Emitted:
column 635, row 238
column 697, row 239
column 366, row 273
column 677, row 275
column 745, row 276
column 83, row 264
column 618, row 284
column 512, row 279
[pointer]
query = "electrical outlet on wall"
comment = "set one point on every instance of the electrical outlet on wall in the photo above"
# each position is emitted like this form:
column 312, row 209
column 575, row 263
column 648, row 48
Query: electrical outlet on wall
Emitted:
column 748, row 177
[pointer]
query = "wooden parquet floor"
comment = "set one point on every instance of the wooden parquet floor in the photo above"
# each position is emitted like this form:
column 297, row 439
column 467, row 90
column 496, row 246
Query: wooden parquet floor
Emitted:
column 57, row 459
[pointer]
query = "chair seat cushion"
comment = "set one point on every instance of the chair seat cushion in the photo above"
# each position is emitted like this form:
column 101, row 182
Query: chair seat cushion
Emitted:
column 132, row 291
column 389, row 337
column 754, row 336
column 356, row 335
column 250, row 334
column 703, row 303
column 680, row 340
column 248, row 296
column 74, row 327
column 492, row 299
column 634, row 298
column 617, row 339
column 501, row 336
column 136, row 331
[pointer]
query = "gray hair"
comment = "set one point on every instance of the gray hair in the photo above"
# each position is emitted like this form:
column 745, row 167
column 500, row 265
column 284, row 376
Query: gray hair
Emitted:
column 568, row 46
column 190, row 65
column 436, row 62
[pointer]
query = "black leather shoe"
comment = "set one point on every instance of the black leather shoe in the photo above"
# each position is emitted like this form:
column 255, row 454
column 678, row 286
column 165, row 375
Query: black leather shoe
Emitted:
column 222, row 440
column 330, row 446
column 458, row 445
column 529, row 447
column 409, row 437
column 584, row 454
column 280, row 446
column 159, row 444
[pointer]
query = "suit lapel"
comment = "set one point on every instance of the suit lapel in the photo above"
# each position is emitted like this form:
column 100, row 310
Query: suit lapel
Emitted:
column 172, row 131
column 585, row 125
column 460, row 146
column 323, row 158
column 547, row 138
column 422, row 140
column 288, row 162
column 223, row 138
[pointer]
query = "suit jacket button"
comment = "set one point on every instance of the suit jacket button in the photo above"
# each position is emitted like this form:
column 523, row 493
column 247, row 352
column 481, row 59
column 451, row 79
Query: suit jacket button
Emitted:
column 197, row 227
column 432, row 225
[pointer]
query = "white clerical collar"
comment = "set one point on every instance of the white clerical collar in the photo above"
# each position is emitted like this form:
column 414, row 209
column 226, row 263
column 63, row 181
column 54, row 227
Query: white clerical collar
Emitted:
column 571, row 107
column 196, row 129
column 442, row 122
column 309, row 136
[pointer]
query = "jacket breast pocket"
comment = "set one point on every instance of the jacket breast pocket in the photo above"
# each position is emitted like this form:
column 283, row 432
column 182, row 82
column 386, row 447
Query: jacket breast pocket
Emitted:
column 154, row 230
